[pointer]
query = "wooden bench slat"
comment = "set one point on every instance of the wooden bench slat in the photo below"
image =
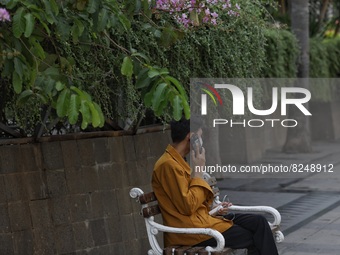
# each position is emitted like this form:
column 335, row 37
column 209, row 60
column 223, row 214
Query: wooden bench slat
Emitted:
column 225, row 251
column 194, row 250
column 168, row 250
column 181, row 250
column 147, row 198
column 151, row 211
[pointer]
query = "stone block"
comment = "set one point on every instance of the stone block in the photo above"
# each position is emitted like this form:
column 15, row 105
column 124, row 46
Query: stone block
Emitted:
column 142, row 146
column 102, row 250
column 90, row 178
column 15, row 187
column 134, row 176
column 56, row 183
column 114, row 226
column 109, row 200
column 23, row 242
column 124, row 201
column 19, row 215
column 121, row 176
column 40, row 214
column 158, row 142
column 118, row 248
column 60, row 210
column 10, row 159
column 65, row 242
column 35, row 183
column 106, row 177
column 31, row 157
column 97, row 205
column 75, row 180
column 3, row 198
column 139, row 225
column 6, row 244
column 52, row 155
column 132, row 246
column 129, row 148
column 99, row 232
column 116, row 149
column 80, row 208
column 102, row 150
column 71, row 154
column 44, row 241
column 86, row 152
column 143, row 173
column 128, row 230
column 82, row 235
column 5, row 225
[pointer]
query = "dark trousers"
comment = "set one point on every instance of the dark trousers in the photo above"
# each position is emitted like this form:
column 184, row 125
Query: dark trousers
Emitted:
column 249, row 231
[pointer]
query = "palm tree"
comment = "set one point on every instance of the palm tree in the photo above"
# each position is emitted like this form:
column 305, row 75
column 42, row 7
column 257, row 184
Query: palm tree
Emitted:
column 298, row 138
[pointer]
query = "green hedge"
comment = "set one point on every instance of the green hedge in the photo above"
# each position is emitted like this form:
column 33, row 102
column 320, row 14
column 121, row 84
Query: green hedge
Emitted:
column 281, row 54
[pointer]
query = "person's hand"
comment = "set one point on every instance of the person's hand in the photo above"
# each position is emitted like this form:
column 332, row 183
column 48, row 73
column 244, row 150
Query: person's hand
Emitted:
column 224, row 210
column 198, row 160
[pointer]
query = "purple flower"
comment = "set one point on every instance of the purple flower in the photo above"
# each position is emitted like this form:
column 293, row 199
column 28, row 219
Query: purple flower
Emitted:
column 238, row 6
column 214, row 15
column 4, row 15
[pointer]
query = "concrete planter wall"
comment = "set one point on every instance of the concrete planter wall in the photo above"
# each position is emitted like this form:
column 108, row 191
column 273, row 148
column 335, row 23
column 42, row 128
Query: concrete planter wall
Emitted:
column 325, row 121
column 72, row 197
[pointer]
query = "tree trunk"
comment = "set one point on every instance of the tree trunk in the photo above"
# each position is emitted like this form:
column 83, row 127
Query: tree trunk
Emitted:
column 324, row 8
column 298, row 138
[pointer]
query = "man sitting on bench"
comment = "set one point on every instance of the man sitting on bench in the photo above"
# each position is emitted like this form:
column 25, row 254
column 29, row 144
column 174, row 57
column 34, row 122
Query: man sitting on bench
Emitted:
column 185, row 199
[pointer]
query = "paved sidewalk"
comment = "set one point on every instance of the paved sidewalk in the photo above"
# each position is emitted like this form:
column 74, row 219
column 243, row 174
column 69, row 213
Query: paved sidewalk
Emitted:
column 309, row 203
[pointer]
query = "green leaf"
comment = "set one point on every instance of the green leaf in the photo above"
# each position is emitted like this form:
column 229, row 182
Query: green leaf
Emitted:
column 18, row 66
column 73, row 110
column 17, row 82
column 86, row 114
column 54, row 7
column 124, row 21
column 101, row 115
column 59, row 86
column 143, row 56
column 95, row 115
column 92, row 6
column 63, row 29
column 186, row 107
column 49, row 13
column 24, row 96
column 30, row 21
column 152, row 73
column 177, row 107
column 37, row 48
column 11, row 4
column 19, row 22
column 102, row 20
column 143, row 79
column 178, row 86
column 63, row 103
column 127, row 67
column 158, row 96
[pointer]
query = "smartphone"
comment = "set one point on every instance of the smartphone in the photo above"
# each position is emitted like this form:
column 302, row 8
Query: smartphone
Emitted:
column 195, row 143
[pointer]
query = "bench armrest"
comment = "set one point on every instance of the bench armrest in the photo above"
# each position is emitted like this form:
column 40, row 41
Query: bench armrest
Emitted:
column 265, row 209
column 155, row 227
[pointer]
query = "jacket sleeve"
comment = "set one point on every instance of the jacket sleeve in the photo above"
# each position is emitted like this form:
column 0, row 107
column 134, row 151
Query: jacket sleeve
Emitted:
column 187, row 195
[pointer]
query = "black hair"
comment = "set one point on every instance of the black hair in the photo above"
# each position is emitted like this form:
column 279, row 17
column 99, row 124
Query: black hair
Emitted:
column 180, row 129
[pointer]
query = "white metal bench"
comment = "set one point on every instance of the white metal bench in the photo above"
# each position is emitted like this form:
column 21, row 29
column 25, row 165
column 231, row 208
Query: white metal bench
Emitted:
column 150, row 208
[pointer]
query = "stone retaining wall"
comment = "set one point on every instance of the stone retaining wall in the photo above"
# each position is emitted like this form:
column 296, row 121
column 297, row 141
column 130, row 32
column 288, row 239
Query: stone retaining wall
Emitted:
column 72, row 197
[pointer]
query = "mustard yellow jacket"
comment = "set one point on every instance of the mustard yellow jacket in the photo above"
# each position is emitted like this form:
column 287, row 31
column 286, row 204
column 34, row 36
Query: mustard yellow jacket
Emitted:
column 184, row 201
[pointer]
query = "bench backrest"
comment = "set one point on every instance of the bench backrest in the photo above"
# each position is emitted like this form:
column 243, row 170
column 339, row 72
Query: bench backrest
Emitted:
column 149, row 200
